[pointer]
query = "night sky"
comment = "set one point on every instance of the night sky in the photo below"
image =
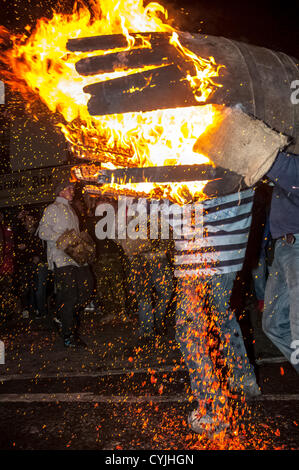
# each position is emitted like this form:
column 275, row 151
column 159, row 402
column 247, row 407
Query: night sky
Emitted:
column 260, row 22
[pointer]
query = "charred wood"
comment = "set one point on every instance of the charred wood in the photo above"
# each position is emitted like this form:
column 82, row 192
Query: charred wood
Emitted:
column 132, row 59
column 160, row 88
column 167, row 174
column 114, row 41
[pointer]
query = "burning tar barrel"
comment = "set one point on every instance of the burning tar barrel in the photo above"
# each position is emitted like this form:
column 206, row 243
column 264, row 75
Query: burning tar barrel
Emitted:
column 257, row 78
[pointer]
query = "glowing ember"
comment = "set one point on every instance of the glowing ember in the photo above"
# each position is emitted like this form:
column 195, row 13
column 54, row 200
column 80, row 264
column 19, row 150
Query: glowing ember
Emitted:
column 42, row 68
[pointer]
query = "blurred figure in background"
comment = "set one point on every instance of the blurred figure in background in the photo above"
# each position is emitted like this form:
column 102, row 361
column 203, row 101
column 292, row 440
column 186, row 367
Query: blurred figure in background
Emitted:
column 150, row 277
column 32, row 269
column 113, row 296
column 259, row 243
column 7, row 299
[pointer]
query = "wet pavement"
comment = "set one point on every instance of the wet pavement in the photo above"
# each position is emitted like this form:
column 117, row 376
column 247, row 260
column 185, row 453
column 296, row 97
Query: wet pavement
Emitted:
column 111, row 396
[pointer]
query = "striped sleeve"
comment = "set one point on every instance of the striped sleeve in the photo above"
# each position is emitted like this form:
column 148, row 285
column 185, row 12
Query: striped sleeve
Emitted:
column 222, row 244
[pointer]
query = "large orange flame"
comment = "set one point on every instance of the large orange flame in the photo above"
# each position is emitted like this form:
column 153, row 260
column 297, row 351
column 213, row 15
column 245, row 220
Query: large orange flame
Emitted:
column 41, row 66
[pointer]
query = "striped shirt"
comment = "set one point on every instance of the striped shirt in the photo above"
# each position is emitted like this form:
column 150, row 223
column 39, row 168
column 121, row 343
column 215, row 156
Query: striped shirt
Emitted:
column 211, row 240
column 222, row 243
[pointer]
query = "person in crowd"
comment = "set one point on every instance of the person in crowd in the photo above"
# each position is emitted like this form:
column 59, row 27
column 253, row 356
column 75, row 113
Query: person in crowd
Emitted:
column 69, row 252
column 151, row 279
column 260, row 242
column 84, row 215
column 147, row 269
column 111, row 296
column 32, row 267
column 39, row 267
column 7, row 299
column 23, row 275
column 261, row 270
column 281, row 314
column 247, row 146
column 78, row 204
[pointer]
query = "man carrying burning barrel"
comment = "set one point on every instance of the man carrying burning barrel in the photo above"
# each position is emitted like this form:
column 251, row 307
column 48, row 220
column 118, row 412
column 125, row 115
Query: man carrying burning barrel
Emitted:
column 208, row 333
column 250, row 148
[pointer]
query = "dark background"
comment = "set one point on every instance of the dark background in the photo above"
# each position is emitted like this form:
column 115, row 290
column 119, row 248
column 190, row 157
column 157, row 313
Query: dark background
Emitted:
column 261, row 22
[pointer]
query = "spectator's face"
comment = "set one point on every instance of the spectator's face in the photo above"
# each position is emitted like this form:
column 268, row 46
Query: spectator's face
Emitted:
column 30, row 223
column 67, row 193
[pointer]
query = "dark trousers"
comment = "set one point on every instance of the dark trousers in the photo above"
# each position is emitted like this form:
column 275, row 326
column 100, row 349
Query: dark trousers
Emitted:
column 40, row 288
column 74, row 287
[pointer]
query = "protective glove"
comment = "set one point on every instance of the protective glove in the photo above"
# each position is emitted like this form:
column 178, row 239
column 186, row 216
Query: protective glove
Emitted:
column 241, row 143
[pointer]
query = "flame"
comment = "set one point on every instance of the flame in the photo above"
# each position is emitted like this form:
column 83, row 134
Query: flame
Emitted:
column 41, row 68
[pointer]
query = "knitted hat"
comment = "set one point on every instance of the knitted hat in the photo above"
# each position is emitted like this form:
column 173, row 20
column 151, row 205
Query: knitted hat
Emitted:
column 65, row 183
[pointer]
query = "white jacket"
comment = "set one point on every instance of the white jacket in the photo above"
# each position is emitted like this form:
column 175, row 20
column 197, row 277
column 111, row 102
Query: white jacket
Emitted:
column 57, row 218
